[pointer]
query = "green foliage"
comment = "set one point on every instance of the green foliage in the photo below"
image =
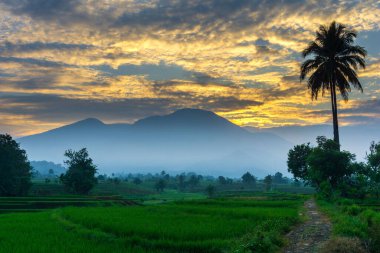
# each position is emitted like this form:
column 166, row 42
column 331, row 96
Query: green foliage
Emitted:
column 327, row 168
column 268, row 182
column 278, row 179
column 160, row 185
column 137, row 181
column 334, row 172
column 213, row 225
column 327, row 163
column 15, row 169
column 248, row 178
column 210, row 190
column 297, row 161
column 373, row 160
column 222, row 180
column 325, row 190
column 354, row 221
column 80, row 176
column 352, row 210
column 356, row 185
column 238, row 224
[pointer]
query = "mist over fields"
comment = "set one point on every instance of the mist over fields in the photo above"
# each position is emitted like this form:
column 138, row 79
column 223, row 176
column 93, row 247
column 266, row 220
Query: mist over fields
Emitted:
column 186, row 140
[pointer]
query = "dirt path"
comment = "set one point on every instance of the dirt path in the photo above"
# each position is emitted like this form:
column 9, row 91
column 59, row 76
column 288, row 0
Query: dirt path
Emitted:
column 309, row 236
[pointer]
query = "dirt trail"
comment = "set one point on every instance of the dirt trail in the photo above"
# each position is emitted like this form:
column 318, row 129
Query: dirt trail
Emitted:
column 309, row 236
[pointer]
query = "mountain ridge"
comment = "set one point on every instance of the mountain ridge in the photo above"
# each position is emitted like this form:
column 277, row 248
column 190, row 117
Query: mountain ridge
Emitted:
column 184, row 139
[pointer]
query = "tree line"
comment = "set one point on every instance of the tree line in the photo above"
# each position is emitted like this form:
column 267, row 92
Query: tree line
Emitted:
column 81, row 175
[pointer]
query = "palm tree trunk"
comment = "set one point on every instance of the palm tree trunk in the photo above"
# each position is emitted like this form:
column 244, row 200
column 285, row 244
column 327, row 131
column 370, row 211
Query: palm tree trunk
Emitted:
column 335, row 113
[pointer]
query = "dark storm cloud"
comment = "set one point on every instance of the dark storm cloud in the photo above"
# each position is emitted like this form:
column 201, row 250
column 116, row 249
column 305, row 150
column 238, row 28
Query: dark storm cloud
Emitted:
column 54, row 107
column 9, row 47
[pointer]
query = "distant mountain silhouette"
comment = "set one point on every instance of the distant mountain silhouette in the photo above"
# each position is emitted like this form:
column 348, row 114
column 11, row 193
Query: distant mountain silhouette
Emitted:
column 188, row 139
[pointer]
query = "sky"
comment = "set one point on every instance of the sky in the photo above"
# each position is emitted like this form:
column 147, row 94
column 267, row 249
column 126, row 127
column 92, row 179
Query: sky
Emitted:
column 65, row 60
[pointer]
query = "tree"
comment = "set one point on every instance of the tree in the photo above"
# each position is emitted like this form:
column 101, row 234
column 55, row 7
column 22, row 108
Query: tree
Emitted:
column 210, row 190
column 297, row 161
column 15, row 169
column 333, row 66
column 268, row 182
column 355, row 185
column 160, row 185
column 194, row 180
column 324, row 166
column 248, row 178
column 328, row 164
column 80, row 176
column 181, row 182
column 277, row 178
column 373, row 161
column 222, row 180
column 137, row 181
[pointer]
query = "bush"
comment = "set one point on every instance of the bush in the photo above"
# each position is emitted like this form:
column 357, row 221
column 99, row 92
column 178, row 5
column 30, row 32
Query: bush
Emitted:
column 345, row 202
column 374, row 237
column 351, row 226
column 353, row 210
column 372, row 219
column 343, row 245
column 325, row 190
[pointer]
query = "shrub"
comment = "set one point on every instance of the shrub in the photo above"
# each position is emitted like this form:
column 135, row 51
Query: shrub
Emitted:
column 353, row 210
column 325, row 190
column 345, row 202
column 351, row 226
column 372, row 218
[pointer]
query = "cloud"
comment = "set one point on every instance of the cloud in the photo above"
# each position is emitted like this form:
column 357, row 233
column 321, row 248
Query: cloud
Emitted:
column 62, row 11
column 32, row 61
column 52, row 107
column 9, row 47
column 239, row 58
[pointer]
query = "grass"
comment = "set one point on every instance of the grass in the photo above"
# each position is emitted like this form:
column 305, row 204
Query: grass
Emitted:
column 26, row 204
column 355, row 219
column 208, row 225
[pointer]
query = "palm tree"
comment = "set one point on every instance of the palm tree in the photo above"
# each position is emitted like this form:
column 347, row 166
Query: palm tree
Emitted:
column 332, row 65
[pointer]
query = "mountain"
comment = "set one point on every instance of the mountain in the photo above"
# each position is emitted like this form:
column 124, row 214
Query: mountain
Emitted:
column 353, row 138
column 186, row 140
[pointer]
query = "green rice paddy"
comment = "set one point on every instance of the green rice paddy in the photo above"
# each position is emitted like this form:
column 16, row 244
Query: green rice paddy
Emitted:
column 209, row 225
